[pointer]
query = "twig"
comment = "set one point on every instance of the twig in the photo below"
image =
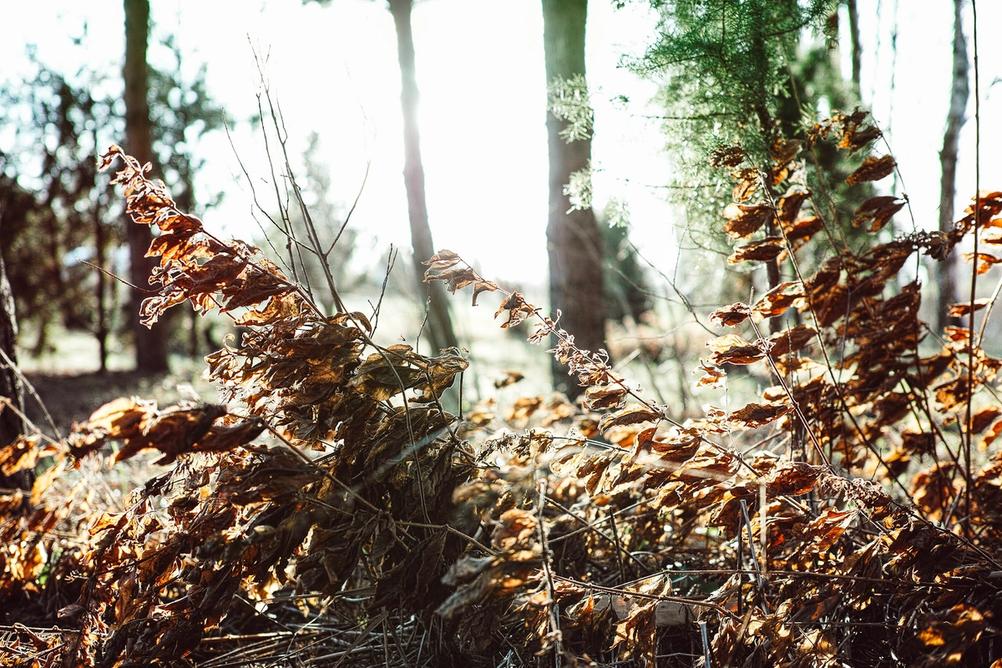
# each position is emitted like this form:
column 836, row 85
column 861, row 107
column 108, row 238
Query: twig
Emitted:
column 974, row 273
column 551, row 590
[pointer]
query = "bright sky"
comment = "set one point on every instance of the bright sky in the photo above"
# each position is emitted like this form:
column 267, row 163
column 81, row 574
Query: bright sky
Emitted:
column 480, row 72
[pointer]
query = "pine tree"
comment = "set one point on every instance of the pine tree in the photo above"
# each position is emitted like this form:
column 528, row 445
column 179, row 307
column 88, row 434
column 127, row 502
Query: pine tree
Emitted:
column 737, row 74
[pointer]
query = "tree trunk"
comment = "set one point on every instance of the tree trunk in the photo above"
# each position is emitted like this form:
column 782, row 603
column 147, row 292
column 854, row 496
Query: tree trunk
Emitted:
column 959, row 93
column 100, row 290
column 185, row 200
column 439, row 321
column 769, row 129
column 10, row 383
column 574, row 241
column 101, row 328
column 151, row 344
column 857, row 49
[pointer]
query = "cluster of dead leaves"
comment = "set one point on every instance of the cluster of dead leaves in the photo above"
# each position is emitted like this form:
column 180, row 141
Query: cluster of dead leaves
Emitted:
column 832, row 519
column 813, row 564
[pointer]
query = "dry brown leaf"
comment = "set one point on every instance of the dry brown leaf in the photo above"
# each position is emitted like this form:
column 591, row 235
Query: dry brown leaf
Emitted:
column 876, row 212
column 764, row 250
column 985, row 261
column 872, row 169
column 757, row 415
column 776, row 301
column 628, row 416
column 961, row 309
column 790, row 340
column 732, row 349
column 732, row 315
column 744, row 220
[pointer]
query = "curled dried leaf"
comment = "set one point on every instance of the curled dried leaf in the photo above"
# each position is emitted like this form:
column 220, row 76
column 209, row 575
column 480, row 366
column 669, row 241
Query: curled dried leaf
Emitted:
column 628, row 416
column 872, row 169
column 756, row 415
column 709, row 376
column 792, row 479
column 524, row 408
column 876, row 212
column 598, row 397
column 856, row 134
column 747, row 183
column 983, row 418
column 803, row 229
column 777, row 300
column 399, row 368
column 732, row 315
column 760, row 251
column 732, row 349
column 783, row 152
column 451, row 269
column 789, row 204
column 518, row 309
column 727, row 156
column 853, row 130
column 743, row 220
column 791, row 340
column 985, row 261
column 508, row 378
column 964, row 308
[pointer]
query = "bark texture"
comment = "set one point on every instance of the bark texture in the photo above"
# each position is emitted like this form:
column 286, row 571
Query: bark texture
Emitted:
column 10, row 383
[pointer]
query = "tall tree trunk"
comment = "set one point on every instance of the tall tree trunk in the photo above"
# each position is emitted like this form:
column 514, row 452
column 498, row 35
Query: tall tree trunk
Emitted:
column 10, row 383
column 767, row 124
column 959, row 93
column 101, row 328
column 574, row 241
column 439, row 322
column 857, row 49
column 100, row 290
column 151, row 344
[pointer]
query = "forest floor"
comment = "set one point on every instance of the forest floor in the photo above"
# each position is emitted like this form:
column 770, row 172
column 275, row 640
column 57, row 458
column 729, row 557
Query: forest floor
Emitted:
column 65, row 377
column 71, row 397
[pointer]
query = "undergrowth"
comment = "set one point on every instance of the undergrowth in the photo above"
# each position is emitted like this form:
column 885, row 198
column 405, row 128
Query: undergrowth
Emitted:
column 332, row 511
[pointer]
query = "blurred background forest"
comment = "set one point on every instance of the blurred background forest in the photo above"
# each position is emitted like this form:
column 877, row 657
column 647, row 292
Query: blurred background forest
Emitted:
column 563, row 155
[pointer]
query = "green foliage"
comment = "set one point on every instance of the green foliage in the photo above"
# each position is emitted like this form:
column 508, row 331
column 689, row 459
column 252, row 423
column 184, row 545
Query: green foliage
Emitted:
column 727, row 68
column 624, row 280
column 569, row 102
column 578, row 189
column 728, row 59
column 617, row 213
column 744, row 73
